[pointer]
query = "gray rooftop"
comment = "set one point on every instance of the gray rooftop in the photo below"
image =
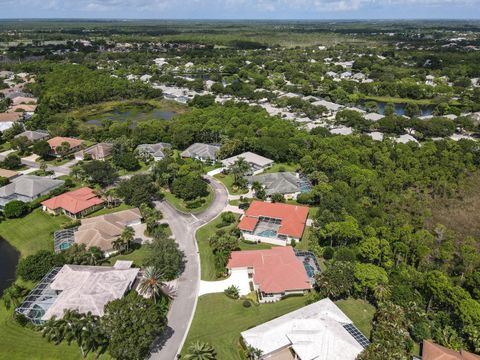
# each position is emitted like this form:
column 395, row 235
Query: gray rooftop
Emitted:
column 34, row 135
column 200, row 150
column 156, row 150
column 30, row 186
column 281, row 182
column 251, row 158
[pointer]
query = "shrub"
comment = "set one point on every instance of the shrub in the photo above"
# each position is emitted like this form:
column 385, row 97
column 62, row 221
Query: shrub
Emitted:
column 328, row 253
column 246, row 303
column 35, row 267
column 278, row 198
column 15, row 209
column 232, row 292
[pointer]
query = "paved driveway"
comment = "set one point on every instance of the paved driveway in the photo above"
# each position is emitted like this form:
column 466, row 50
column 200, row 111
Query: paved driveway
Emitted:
column 184, row 227
column 237, row 278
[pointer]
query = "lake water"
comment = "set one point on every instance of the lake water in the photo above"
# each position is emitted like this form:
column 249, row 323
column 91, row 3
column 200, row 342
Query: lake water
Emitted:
column 400, row 109
column 131, row 115
column 8, row 261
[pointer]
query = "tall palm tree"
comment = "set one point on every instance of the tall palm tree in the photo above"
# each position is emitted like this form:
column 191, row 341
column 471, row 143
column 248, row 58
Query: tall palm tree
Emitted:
column 127, row 236
column 238, row 169
column 201, row 351
column 152, row 282
column 53, row 330
column 118, row 244
column 253, row 353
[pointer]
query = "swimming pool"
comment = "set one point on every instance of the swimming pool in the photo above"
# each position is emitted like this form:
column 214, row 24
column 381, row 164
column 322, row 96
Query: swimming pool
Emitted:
column 268, row 233
column 64, row 246
column 309, row 269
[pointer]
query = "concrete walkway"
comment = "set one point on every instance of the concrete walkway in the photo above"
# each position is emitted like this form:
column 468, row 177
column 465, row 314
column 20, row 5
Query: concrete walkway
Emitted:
column 184, row 227
column 237, row 278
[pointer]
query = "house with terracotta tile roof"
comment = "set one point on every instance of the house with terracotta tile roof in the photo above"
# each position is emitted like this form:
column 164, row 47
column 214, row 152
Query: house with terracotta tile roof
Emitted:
column 274, row 223
column 75, row 204
column 57, row 141
column 274, row 272
column 431, row 351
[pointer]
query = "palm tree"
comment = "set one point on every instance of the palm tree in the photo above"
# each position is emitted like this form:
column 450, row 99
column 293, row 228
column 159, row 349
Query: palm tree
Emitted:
column 13, row 296
column 93, row 338
column 127, row 236
column 201, row 351
column 152, row 282
column 118, row 244
column 253, row 353
column 53, row 330
column 238, row 169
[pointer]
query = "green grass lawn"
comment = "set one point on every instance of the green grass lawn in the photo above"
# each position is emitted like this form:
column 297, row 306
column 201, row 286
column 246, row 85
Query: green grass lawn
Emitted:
column 360, row 312
column 282, row 167
column 18, row 343
column 105, row 210
column 137, row 256
column 219, row 320
column 304, row 242
column 227, row 180
column 181, row 206
column 33, row 232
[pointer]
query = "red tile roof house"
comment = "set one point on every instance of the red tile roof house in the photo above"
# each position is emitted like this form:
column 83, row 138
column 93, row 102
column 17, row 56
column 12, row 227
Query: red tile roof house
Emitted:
column 273, row 223
column 74, row 204
column 275, row 273
column 55, row 142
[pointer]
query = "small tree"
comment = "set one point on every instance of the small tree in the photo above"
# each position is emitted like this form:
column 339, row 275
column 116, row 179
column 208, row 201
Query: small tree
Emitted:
column 12, row 162
column 42, row 148
column 63, row 149
column 15, row 209
column 232, row 292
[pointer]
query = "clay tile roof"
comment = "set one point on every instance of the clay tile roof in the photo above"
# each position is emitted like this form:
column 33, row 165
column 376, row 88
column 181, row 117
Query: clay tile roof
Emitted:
column 10, row 117
column 433, row 351
column 59, row 140
column 275, row 270
column 293, row 217
column 74, row 201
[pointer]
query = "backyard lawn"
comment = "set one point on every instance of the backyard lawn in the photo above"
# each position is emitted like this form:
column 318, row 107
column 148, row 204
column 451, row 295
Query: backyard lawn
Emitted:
column 33, row 232
column 219, row 320
column 181, row 206
column 281, row 167
column 18, row 343
column 227, row 180
column 360, row 312
column 106, row 210
column 137, row 256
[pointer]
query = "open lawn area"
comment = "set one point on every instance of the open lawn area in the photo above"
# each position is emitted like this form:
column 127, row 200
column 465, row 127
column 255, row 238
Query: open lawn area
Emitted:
column 181, row 205
column 18, row 343
column 137, row 256
column 106, row 210
column 219, row 320
column 33, row 232
column 227, row 180
column 360, row 312
column 282, row 167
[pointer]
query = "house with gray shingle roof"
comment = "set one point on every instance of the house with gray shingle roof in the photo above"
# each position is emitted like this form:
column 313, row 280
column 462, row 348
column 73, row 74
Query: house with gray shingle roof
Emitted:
column 34, row 135
column 257, row 162
column 157, row 151
column 289, row 184
column 202, row 152
column 27, row 188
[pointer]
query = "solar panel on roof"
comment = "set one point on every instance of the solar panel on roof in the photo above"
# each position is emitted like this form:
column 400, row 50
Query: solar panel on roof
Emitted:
column 357, row 335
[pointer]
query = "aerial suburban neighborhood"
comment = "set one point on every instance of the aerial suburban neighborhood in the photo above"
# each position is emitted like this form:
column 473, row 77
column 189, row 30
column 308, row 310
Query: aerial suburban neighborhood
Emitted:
column 239, row 189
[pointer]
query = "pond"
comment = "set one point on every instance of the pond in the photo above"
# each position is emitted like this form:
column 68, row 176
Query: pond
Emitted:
column 132, row 115
column 425, row 110
column 8, row 261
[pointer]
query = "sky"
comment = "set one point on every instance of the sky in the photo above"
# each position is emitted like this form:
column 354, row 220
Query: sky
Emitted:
column 242, row 9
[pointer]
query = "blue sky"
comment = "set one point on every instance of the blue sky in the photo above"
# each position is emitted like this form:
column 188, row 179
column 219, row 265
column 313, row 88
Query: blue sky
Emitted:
column 241, row 9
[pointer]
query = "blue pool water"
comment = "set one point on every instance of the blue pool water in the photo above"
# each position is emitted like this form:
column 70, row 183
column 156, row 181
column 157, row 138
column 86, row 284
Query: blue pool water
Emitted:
column 309, row 269
column 64, row 246
column 268, row 233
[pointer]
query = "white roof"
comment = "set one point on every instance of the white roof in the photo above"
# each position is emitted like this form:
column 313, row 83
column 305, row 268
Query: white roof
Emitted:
column 250, row 158
column 373, row 116
column 89, row 288
column 329, row 105
column 405, row 138
column 376, row 135
column 342, row 130
column 315, row 332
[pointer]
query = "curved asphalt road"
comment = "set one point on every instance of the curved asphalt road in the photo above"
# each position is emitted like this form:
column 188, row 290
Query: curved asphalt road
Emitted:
column 184, row 227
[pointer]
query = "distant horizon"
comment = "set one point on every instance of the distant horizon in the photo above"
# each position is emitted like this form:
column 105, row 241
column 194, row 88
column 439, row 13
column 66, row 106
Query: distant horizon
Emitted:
column 236, row 19
column 328, row 10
